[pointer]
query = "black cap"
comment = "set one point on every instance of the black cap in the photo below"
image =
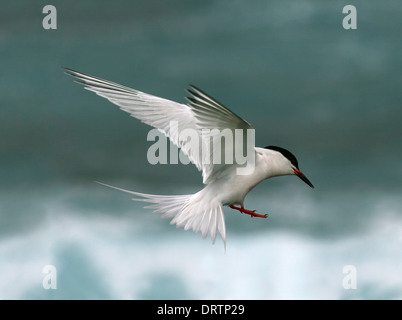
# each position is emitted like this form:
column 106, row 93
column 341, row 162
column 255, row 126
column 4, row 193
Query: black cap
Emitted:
column 287, row 154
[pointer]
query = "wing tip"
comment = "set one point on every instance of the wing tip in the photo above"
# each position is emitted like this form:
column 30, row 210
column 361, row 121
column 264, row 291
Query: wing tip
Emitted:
column 69, row 71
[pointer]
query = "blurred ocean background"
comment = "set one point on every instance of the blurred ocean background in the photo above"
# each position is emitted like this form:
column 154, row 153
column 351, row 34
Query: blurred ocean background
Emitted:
column 331, row 96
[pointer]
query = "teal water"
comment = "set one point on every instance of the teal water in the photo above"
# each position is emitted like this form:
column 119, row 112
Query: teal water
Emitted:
column 331, row 96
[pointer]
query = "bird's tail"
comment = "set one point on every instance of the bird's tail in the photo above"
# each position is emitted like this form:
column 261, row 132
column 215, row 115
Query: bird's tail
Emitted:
column 193, row 211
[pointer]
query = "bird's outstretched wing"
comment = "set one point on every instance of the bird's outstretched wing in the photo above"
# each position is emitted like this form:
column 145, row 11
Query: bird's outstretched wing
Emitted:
column 202, row 114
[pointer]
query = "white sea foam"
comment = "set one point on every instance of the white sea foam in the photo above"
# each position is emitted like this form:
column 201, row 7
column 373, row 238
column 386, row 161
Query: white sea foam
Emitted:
column 126, row 258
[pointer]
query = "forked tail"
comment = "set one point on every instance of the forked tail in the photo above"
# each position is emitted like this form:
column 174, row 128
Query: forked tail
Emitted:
column 191, row 211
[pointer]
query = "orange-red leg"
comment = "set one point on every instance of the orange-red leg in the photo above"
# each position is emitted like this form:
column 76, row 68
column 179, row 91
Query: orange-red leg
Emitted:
column 251, row 213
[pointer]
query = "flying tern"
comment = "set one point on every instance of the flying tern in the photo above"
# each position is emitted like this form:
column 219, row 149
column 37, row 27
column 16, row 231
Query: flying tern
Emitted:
column 202, row 211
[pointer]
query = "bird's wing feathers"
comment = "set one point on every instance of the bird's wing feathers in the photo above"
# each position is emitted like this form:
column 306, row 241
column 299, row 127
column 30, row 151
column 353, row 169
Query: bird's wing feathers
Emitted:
column 211, row 115
column 154, row 111
column 202, row 114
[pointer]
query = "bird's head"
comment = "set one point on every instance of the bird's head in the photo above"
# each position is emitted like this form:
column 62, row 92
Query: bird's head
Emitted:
column 287, row 163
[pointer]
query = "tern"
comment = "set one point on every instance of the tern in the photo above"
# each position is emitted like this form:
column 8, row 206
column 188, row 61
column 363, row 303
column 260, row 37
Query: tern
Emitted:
column 202, row 211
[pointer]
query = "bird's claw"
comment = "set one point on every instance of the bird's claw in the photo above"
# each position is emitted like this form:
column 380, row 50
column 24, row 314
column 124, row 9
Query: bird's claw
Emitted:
column 263, row 215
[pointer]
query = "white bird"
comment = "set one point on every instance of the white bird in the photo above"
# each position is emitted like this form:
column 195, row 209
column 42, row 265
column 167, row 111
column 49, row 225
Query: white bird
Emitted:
column 201, row 211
